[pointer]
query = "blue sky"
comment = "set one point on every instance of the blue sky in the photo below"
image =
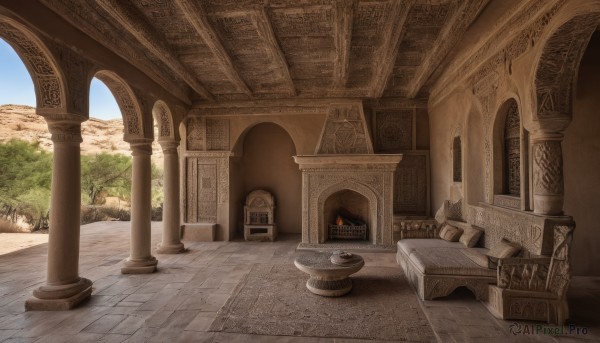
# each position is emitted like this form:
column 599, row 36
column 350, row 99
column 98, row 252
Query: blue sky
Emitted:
column 16, row 87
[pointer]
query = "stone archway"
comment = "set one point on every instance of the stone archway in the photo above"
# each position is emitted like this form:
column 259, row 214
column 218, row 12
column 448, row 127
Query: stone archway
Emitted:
column 131, row 110
column 46, row 76
column 555, row 75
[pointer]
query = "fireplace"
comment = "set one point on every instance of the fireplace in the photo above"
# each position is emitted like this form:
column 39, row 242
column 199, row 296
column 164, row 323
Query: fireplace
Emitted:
column 362, row 185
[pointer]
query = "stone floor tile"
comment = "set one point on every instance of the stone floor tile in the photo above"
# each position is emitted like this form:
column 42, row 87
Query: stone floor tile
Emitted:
column 85, row 337
column 201, row 322
column 104, row 324
column 180, row 300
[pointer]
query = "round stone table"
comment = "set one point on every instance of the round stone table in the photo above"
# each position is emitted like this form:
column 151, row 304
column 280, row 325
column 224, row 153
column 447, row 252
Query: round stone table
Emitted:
column 329, row 272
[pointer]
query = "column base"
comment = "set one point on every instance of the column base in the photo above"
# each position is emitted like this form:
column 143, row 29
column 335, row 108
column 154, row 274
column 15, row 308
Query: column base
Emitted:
column 59, row 298
column 146, row 266
column 170, row 248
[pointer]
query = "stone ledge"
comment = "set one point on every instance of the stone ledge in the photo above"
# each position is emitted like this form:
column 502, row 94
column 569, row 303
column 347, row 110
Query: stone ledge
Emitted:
column 199, row 232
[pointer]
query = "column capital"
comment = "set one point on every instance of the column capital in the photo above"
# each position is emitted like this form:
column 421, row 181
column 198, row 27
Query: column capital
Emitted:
column 169, row 146
column 65, row 128
column 140, row 147
column 550, row 124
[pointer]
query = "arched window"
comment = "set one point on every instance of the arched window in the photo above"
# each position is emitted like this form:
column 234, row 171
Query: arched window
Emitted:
column 512, row 151
column 456, row 160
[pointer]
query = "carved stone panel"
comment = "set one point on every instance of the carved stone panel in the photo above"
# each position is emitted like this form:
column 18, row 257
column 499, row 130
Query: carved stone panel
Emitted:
column 217, row 134
column 195, row 135
column 411, row 185
column 512, row 148
column 201, row 199
column 345, row 132
column 394, row 130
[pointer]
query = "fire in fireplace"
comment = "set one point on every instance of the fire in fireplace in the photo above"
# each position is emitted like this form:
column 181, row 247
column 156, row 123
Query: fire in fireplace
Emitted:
column 348, row 227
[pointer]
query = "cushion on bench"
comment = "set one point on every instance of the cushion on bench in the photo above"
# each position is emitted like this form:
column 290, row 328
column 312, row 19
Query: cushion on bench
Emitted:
column 411, row 244
column 447, row 261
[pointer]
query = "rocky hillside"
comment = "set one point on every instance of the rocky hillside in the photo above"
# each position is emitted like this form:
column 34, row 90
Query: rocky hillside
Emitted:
column 21, row 122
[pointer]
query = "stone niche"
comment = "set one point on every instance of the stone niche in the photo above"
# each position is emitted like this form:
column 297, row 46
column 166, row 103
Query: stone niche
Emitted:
column 362, row 183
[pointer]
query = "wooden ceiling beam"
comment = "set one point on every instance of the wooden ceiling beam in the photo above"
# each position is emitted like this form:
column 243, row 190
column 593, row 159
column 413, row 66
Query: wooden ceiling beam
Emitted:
column 265, row 30
column 131, row 19
column 344, row 12
column 389, row 49
column 453, row 30
column 197, row 18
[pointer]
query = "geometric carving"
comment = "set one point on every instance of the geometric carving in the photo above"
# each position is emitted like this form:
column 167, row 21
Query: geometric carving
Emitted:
column 394, row 130
column 410, row 185
column 345, row 132
column 217, row 134
column 558, row 65
column 195, row 134
column 548, row 168
column 201, row 192
column 45, row 78
column 165, row 122
column 512, row 150
column 125, row 99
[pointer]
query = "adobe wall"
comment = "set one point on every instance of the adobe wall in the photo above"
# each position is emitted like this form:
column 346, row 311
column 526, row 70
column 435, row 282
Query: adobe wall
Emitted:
column 469, row 100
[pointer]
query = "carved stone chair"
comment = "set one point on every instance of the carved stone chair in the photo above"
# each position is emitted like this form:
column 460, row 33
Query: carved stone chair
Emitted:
column 259, row 212
column 534, row 288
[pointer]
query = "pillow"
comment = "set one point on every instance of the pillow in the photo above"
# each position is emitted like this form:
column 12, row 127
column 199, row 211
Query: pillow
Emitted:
column 504, row 249
column 470, row 237
column 450, row 233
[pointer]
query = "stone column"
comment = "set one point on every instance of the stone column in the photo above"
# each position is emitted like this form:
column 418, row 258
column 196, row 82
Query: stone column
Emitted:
column 140, row 260
column 171, row 242
column 548, row 183
column 64, row 288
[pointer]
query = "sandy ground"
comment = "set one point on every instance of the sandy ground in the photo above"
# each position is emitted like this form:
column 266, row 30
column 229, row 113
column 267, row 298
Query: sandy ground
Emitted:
column 10, row 242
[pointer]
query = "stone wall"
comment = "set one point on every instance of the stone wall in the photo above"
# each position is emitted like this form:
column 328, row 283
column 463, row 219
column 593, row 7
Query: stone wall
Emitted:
column 530, row 55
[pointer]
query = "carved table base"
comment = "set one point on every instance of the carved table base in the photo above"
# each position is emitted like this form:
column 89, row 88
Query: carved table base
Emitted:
column 327, row 278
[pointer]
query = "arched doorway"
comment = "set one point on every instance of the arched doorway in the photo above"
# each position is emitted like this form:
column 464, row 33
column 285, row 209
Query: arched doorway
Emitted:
column 581, row 157
column 267, row 164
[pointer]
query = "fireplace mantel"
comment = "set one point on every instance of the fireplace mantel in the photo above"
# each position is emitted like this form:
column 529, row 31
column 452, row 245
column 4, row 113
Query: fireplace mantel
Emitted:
column 370, row 175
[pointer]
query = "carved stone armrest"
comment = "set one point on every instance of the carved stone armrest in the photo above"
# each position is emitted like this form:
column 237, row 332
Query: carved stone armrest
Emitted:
column 527, row 274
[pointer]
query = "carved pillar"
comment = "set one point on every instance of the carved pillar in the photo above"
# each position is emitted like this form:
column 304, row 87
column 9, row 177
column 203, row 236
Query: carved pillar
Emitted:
column 64, row 288
column 548, row 183
column 171, row 243
column 140, row 260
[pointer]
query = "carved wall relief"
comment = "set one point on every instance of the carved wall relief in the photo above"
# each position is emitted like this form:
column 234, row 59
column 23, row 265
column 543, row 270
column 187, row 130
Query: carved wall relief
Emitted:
column 195, row 134
column 411, row 185
column 345, row 132
column 45, row 76
column 548, row 168
column 558, row 65
column 512, row 151
column 126, row 100
column 206, row 186
column 394, row 129
column 163, row 117
column 217, row 134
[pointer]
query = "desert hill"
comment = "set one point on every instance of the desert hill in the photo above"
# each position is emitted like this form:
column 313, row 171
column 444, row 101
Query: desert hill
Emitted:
column 21, row 122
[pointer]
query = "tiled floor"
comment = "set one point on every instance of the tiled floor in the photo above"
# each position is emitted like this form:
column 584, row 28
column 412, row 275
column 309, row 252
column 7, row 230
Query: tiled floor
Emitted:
column 179, row 302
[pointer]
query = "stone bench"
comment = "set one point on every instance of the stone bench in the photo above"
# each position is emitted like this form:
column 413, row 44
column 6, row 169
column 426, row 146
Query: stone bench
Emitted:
column 528, row 286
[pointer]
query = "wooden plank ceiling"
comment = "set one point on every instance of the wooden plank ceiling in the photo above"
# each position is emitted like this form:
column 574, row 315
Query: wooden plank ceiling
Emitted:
column 272, row 49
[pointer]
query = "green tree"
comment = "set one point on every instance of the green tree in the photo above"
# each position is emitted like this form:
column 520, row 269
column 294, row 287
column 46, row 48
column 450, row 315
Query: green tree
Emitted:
column 25, row 176
column 105, row 174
